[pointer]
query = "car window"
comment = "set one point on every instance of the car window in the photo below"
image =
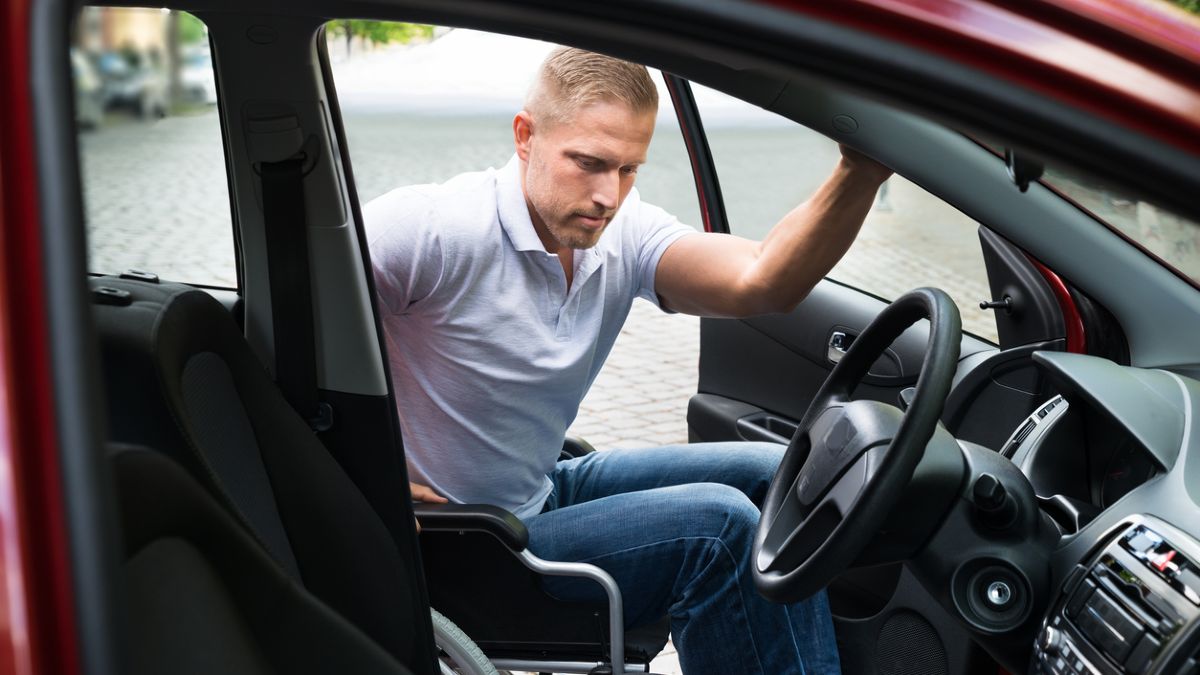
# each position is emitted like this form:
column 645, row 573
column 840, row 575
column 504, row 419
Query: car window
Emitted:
column 155, row 187
column 767, row 164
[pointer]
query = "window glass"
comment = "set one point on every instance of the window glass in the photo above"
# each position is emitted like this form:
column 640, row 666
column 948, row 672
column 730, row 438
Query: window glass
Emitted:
column 767, row 165
column 155, row 190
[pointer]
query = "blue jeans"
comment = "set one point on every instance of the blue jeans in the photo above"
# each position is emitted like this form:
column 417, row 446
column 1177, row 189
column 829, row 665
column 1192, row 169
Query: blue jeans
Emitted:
column 674, row 526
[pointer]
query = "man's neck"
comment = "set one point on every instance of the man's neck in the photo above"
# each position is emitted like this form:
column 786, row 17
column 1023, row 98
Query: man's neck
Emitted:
column 566, row 255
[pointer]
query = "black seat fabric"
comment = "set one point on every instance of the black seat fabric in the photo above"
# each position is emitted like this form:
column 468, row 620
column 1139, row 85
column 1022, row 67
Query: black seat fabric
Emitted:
column 202, row 597
column 180, row 377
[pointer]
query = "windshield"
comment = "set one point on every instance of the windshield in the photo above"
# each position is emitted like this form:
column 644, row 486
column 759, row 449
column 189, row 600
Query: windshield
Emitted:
column 1172, row 239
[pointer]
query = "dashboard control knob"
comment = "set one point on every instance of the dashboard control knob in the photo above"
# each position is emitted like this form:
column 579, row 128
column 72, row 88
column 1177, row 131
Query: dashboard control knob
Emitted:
column 989, row 493
column 995, row 506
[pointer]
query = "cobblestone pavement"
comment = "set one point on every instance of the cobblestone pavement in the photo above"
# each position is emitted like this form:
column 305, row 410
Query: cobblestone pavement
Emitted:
column 156, row 198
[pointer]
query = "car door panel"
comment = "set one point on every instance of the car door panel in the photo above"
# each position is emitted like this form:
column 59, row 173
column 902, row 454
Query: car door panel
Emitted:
column 758, row 375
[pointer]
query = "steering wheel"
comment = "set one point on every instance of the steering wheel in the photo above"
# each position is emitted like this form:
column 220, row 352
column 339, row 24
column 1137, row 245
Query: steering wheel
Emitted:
column 850, row 461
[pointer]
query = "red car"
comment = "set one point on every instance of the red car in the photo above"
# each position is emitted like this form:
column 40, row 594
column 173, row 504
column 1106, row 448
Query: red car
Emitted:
column 1033, row 504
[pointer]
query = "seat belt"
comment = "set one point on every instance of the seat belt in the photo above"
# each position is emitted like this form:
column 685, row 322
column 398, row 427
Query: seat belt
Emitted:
column 286, row 223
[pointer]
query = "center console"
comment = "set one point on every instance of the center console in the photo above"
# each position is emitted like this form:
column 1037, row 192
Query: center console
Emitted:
column 1133, row 608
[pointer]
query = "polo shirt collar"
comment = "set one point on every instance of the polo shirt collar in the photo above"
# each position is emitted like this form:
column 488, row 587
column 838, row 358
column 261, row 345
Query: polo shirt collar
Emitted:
column 513, row 210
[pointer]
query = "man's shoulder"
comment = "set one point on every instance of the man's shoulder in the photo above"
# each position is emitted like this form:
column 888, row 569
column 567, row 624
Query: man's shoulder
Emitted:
column 638, row 221
column 466, row 200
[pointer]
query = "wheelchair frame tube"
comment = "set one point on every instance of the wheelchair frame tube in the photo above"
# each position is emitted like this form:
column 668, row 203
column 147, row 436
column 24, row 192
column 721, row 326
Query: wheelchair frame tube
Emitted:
column 616, row 617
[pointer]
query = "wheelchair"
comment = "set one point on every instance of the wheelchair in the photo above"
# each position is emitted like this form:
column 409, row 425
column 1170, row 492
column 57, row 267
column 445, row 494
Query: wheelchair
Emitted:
column 480, row 574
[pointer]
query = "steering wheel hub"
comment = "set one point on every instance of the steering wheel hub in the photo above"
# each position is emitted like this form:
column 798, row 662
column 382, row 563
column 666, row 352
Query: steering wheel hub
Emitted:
column 838, row 438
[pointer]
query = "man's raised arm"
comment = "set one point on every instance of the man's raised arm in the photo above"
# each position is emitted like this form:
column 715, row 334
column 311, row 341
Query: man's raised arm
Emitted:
column 723, row 275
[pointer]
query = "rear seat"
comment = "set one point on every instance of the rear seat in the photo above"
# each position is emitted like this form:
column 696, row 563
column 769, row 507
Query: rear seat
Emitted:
column 179, row 377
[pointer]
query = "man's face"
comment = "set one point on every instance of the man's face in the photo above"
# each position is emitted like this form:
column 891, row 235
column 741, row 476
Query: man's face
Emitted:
column 578, row 172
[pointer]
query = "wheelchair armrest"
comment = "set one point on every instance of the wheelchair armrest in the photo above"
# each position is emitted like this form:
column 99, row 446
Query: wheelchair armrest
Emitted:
column 494, row 520
column 574, row 446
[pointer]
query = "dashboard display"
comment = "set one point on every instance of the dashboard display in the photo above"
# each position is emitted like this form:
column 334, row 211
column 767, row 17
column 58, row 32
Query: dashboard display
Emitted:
column 1128, row 467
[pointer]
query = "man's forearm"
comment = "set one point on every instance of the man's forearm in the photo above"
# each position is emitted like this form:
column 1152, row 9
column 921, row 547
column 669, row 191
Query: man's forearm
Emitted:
column 727, row 276
column 802, row 247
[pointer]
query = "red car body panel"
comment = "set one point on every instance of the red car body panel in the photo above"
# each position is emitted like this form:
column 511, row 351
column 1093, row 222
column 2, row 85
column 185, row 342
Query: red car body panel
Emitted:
column 1133, row 63
column 37, row 618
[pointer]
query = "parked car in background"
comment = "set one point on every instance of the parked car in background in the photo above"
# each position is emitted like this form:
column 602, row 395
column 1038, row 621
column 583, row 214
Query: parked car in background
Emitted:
column 197, row 82
column 131, row 82
column 89, row 95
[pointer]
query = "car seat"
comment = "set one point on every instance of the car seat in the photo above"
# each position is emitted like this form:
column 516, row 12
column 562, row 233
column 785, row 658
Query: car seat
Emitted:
column 180, row 378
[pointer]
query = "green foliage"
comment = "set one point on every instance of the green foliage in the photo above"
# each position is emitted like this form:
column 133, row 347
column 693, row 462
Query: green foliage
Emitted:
column 191, row 29
column 381, row 32
column 1189, row 5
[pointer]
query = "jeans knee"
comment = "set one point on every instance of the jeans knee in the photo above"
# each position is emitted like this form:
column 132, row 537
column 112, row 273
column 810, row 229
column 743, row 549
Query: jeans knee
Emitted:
column 728, row 511
column 750, row 466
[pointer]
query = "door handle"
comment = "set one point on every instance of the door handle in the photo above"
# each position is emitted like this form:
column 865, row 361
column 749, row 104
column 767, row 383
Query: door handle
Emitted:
column 839, row 342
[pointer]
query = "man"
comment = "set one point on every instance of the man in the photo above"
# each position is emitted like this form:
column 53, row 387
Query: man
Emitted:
column 503, row 292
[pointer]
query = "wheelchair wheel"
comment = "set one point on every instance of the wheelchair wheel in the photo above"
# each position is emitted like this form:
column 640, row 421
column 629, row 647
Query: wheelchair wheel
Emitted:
column 459, row 654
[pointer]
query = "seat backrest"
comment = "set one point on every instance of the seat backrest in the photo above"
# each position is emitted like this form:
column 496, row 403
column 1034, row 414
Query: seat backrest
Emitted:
column 201, row 596
column 180, row 377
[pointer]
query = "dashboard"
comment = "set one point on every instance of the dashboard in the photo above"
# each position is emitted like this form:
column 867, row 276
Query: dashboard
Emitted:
column 1074, row 546
column 1108, row 460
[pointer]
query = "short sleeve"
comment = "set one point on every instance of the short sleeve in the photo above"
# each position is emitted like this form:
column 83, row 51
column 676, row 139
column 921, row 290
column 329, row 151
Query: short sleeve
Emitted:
column 406, row 248
column 656, row 231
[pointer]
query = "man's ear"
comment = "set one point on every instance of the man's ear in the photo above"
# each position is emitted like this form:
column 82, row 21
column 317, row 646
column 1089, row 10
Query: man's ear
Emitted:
column 522, row 134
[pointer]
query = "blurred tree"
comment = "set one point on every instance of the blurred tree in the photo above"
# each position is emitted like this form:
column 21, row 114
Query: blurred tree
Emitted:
column 183, row 30
column 191, row 30
column 379, row 32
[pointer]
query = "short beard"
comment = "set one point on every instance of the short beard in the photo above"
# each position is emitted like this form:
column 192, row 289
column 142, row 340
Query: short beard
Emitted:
column 574, row 239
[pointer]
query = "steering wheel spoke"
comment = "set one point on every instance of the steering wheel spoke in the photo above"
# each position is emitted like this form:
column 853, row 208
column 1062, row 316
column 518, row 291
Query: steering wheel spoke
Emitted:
column 797, row 531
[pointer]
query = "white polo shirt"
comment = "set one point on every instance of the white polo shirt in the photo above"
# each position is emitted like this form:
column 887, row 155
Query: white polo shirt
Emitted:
column 490, row 353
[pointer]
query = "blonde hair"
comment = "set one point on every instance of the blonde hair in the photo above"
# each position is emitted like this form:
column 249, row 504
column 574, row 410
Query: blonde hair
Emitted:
column 571, row 78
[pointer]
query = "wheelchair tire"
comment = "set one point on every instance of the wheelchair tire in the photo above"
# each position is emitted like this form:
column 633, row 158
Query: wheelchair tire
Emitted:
column 466, row 656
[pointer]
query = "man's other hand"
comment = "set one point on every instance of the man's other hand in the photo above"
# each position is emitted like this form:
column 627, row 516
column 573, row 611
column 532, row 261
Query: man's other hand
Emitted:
column 423, row 493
